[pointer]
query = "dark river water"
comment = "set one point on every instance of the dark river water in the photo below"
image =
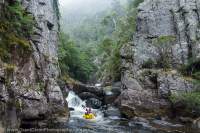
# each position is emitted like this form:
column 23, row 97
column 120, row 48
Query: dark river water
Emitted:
column 114, row 124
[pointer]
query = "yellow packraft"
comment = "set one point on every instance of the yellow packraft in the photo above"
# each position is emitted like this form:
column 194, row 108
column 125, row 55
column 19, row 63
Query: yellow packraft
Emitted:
column 89, row 116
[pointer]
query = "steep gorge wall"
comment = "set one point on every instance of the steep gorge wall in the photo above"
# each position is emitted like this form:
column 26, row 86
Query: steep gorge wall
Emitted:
column 149, row 88
column 32, row 92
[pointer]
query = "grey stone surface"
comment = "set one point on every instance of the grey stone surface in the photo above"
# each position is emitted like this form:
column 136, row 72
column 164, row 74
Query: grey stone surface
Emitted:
column 171, row 83
column 150, row 88
column 93, row 103
column 33, row 84
column 166, row 17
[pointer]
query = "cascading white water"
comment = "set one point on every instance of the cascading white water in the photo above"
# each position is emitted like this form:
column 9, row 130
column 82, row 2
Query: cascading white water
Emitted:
column 78, row 105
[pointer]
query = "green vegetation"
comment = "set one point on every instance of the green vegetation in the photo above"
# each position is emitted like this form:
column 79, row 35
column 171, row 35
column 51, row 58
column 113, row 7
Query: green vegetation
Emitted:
column 137, row 2
column 121, row 27
column 16, row 26
column 191, row 100
column 148, row 64
column 10, row 67
column 192, row 70
column 192, row 67
column 110, row 68
column 163, row 47
column 93, row 48
column 74, row 62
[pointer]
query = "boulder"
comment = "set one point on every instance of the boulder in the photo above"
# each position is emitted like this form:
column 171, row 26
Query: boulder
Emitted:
column 71, row 109
column 93, row 103
column 80, row 88
column 172, row 83
column 111, row 93
column 128, row 111
column 33, row 106
column 87, row 95
column 141, row 102
column 30, row 114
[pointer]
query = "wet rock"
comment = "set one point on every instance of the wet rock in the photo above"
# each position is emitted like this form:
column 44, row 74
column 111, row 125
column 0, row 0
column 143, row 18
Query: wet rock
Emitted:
column 71, row 109
column 166, row 124
column 60, row 122
column 30, row 114
column 111, row 93
column 140, row 119
column 186, row 119
column 80, row 88
column 112, row 112
column 196, row 123
column 94, row 103
column 141, row 123
column 128, row 111
column 87, row 95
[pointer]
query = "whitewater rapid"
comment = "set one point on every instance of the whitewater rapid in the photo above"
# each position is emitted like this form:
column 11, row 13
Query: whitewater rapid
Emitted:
column 78, row 111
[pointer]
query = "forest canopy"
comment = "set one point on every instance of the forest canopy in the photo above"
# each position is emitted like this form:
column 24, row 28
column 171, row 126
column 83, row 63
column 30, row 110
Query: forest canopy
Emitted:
column 89, row 49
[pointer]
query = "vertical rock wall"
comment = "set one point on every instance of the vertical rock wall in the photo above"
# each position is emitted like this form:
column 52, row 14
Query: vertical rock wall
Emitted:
column 33, row 85
column 150, row 88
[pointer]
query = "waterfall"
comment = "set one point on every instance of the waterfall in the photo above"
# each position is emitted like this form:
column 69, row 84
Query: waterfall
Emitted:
column 78, row 105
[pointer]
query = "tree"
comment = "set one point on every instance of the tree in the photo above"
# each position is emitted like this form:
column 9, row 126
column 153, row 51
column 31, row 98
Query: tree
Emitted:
column 74, row 62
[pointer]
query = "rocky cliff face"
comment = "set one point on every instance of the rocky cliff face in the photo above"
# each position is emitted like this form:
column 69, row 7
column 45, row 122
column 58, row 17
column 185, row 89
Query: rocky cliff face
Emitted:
column 149, row 87
column 30, row 93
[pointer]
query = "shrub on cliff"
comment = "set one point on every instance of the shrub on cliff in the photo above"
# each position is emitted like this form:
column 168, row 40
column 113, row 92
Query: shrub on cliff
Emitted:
column 192, row 68
column 16, row 27
column 163, row 46
column 190, row 100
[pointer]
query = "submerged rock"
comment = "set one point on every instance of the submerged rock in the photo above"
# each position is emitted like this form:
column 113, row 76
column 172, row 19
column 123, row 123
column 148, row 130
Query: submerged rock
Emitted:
column 71, row 109
column 112, row 112
column 166, row 124
column 141, row 123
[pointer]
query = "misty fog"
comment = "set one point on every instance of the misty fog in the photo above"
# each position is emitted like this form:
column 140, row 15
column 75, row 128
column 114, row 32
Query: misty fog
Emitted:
column 75, row 11
column 84, row 7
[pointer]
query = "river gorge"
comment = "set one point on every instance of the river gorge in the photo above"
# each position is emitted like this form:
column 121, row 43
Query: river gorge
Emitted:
column 135, row 63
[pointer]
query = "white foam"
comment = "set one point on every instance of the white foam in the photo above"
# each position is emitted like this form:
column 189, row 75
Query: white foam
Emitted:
column 77, row 104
